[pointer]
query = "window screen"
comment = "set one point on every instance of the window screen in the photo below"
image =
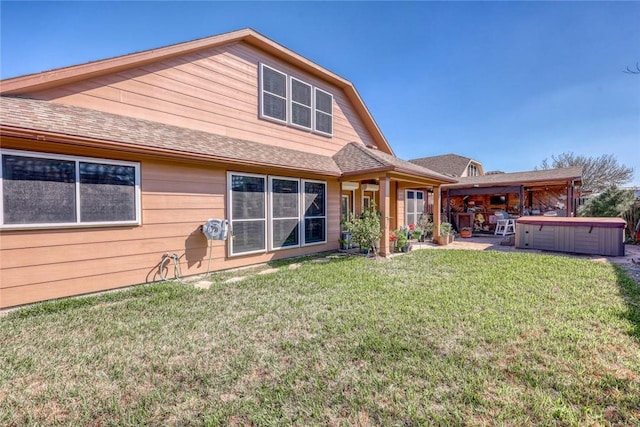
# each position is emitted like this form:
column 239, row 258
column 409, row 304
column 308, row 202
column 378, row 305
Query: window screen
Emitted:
column 324, row 112
column 274, row 94
column 285, row 200
column 107, row 192
column 248, row 213
column 38, row 191
column 300, row 103
column 315, row 212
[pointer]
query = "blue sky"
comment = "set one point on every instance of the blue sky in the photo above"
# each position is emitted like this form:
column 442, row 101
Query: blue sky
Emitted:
column 506, row 83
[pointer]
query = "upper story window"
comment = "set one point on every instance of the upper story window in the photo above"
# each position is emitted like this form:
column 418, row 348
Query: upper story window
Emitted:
column 43, row 190
column 473, row 170
column 300, row 103
column 273, row 94
column 289, row 100
column 324, row 112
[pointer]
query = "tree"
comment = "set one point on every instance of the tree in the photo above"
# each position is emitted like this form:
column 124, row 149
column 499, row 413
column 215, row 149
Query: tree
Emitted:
column 613, row 202
column 598, row 173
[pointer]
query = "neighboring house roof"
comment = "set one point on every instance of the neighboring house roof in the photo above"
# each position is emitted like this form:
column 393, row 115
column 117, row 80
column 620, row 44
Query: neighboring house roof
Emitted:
column 530, row 177
column 355, row 159
column 447, row 164
column 34, row 116
column 57, row 77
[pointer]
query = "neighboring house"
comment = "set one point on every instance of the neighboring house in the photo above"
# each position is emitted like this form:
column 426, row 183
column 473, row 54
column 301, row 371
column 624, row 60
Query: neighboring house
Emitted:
column 106, row 166
column 451, row 165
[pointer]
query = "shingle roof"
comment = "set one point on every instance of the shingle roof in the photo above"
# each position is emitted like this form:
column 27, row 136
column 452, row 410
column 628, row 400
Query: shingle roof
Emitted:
column 448, row 164
column 356, row 158
column 85, row 123
column 30, row 83
column 560, row 174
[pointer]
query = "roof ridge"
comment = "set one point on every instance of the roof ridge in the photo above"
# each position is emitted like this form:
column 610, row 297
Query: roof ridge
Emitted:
column 369, row 152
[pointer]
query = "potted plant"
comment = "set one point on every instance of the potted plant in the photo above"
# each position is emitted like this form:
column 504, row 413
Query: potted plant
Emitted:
column 415, row 231
column 466, row 232
column 345, row 240
column 426, row 225
column 445, row 236
column 401, row 239
column 393, row 241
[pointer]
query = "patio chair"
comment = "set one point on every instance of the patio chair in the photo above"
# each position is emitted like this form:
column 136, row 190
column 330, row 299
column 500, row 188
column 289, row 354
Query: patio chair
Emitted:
column 504, row 224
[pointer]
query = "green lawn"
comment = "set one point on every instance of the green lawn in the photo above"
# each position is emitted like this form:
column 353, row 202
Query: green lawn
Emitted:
column 434, row 337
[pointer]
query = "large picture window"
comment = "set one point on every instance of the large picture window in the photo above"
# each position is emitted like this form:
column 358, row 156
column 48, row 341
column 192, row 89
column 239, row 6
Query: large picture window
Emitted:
column 285, row 212
column 41, row 190
column 289, row 100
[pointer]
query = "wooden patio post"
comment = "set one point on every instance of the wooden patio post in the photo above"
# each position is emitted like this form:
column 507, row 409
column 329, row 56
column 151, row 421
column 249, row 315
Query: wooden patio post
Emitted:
column 437, row 208
column 385, row 213
column 569, row 205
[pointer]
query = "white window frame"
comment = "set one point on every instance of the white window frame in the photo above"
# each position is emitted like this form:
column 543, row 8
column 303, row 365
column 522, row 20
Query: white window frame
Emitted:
column 368, row 198
column 272, row 218
column 230, row 213
column 415, row 206
column 268, row 195
column 310, row 106
column 285, row 98
column 289, row 101
column 315, row 110
column 303, row 209
column 77, row 160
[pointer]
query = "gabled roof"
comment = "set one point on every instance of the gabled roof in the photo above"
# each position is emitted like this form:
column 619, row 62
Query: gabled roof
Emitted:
column 47, row 120
column 520, row 178
column 60, row 76
column 447, row 164
column 356, row 159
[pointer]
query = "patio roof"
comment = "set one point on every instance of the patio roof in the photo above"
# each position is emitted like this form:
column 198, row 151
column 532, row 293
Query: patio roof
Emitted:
column 529, row 178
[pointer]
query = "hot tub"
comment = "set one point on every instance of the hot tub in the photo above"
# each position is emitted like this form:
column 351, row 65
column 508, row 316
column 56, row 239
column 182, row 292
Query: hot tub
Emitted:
column 596, row 236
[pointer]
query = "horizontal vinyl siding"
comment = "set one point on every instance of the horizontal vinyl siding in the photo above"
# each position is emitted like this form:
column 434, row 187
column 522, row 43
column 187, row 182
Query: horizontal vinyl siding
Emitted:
column 176, row 199
column 214, row 91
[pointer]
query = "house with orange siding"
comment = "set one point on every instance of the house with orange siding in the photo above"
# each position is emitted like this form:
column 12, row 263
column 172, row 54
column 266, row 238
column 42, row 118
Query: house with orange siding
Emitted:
column 109, row 165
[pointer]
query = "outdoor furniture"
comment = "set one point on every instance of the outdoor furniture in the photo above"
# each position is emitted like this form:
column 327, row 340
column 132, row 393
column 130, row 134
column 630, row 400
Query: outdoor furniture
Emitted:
column 504, row 224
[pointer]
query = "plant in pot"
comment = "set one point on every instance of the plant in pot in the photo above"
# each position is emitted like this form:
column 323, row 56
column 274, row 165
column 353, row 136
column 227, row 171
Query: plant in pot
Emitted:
column 446, row 233
column 365, row 231
column 426, row 225
column 415, row 231
column 466, row 232
column 402, row 241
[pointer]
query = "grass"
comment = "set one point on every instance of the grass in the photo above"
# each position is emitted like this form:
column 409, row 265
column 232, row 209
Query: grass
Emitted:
column 429, row 338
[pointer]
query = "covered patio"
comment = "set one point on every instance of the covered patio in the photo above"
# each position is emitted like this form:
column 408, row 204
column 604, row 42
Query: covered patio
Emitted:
column 398, row 188
column 474, row 201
